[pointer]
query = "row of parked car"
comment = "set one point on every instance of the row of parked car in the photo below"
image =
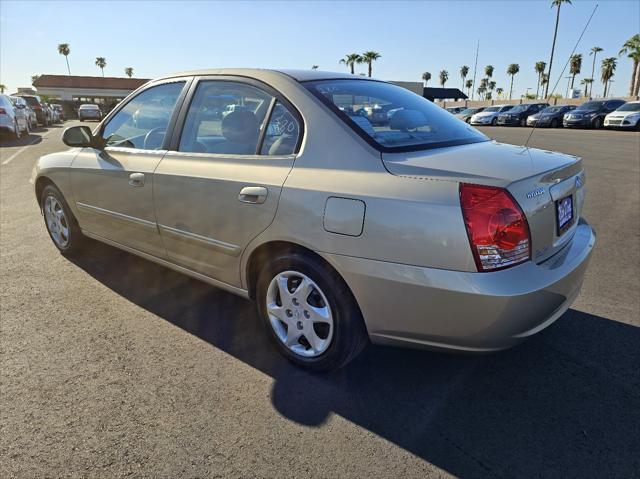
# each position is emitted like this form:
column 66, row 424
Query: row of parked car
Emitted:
column 592, row 114
column 20, row 113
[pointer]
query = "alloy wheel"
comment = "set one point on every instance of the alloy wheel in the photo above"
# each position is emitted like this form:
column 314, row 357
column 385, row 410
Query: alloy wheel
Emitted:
column 299, row 314
column 57, row 222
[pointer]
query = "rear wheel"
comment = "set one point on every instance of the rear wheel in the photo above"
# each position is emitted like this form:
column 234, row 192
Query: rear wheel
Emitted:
column 494, row 122
column 554, row 123
column 309, row 312
column 60, row 222
column 597, row 123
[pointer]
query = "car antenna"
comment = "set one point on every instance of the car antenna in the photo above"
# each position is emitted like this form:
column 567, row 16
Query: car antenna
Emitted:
column 563, row 70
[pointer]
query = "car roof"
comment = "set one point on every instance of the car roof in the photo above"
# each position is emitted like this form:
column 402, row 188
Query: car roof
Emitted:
column 263, row 73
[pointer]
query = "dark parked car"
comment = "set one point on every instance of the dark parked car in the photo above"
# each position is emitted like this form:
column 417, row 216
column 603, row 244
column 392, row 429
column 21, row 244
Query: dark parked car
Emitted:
column 518, row 115
column 551, row 116
column 591, row 114
column 42, row 112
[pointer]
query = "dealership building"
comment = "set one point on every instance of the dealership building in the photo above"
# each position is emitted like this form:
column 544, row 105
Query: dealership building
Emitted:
column 85, row 89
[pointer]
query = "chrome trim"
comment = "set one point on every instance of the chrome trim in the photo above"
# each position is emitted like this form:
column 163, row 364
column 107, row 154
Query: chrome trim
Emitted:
column 118, row 216
column 221, row 246
column 180, row 269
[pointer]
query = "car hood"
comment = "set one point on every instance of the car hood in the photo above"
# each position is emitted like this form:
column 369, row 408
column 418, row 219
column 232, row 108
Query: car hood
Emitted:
column 483, row 114
column 489, row 162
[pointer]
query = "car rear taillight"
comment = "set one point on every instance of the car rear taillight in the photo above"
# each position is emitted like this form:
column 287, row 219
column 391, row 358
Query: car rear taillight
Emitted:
column 3, row 111
column 497, row 228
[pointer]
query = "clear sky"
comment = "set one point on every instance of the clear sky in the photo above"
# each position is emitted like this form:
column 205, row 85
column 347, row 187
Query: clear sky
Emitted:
column 163, row 36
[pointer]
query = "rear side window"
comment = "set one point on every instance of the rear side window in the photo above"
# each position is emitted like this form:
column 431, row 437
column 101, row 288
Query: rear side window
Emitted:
column 225, row 117
column 143, row 121
column 392, row 118
column 282, row 133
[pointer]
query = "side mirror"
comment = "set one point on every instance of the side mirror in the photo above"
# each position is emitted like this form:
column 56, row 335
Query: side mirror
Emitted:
column 80, row 136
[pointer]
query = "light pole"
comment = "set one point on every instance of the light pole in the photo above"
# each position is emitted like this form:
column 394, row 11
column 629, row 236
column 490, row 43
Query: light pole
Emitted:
column 568, row 80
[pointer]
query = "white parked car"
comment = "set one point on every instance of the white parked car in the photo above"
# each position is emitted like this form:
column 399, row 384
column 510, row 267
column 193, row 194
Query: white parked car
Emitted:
column 489, row 116
column 627, row 117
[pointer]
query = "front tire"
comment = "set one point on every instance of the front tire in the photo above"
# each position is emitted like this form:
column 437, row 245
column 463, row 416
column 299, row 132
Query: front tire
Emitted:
column 309, row 312
column 61, row 225
column 494, row 122
column 554, row 123
column 597, row 123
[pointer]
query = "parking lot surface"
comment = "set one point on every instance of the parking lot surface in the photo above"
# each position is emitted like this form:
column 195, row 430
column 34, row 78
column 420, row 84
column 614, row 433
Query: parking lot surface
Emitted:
column 114, row 366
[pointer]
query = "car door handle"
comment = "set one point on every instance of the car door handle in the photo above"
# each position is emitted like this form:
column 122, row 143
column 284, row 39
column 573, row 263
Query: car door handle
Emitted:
column 253, row 194
column 136, row 179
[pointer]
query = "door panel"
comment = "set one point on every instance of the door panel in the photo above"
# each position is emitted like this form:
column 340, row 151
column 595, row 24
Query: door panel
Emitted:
column 204, row 222
column 109, row 205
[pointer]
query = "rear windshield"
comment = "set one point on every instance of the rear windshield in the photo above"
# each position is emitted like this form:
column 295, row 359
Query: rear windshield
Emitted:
column 411, row 122
column 89, row 107
column 630, row 107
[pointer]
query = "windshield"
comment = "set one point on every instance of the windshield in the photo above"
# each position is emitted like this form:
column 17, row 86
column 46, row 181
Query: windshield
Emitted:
column 629, row 107
column 492, row 108
column 590, row 106
column 468, row 111
column 553, row 109
column 411, row 123
column 519, row 108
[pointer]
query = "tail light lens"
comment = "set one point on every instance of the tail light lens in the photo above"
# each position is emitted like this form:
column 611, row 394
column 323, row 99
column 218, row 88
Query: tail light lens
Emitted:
column 497, row 228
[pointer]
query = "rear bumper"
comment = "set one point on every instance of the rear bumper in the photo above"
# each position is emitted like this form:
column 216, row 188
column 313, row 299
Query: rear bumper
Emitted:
column 476, row 312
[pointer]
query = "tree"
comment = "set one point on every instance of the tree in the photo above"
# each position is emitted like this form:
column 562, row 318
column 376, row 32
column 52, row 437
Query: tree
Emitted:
column 631, row 48
column 586, row 82
column 2, row 88
column 351, row 60
column 488, row 70
column 492, row 86
column 464, row 71
column 101, row 62
column 426, row 76
column 34, row 79
column 594, row 51
column 444, row 76
column 469, row 84
column 554, row 3
column 63, row 49
column 368, row 58
column 499, row 91
column 575, row 65
column 128, row 71
column 608, row 70
column 314, row 67
column 482, row 89
column 540, row 66
column 512, row 70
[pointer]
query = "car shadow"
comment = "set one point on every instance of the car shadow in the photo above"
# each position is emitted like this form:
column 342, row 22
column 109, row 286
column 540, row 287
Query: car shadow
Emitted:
column 566, row 403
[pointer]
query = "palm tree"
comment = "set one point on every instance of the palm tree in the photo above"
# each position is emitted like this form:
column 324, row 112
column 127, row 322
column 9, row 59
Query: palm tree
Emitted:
column 540, row 66
column 488, row 70
column 314, row 67
column 128, row 71
column 469, row 84
column 554, row 3
column 2, row 88
column 631, row 48
column 351, row 60
column 586, row 82
column 608, row 70
column 63, row 49
column 481, row 90
column 512, row 70
column 464, row 71
column 575, row 65
column 368, row 58
column 426, row 76
column 492, row 86
column 444, row 76
column 594, row 51
column 484, row 86
column 499, row 91
column 101, row 62
column 34, row 79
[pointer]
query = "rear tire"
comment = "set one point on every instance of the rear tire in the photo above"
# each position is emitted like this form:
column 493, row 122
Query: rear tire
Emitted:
column 337, row 337
column 494, row 122
column 554, row 123
column 597, row 123
column 61, row 225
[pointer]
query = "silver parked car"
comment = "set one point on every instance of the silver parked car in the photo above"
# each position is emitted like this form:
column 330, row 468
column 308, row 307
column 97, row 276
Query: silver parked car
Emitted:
column 89, row 111
column 13, row 117
column 489, row 116
column 419, row 232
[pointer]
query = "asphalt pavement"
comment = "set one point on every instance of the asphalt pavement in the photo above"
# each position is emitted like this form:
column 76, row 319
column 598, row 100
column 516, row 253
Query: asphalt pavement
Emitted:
column 113, row 366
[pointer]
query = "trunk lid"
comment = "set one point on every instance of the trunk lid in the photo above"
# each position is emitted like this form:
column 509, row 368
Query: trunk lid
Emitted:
column 537, row 180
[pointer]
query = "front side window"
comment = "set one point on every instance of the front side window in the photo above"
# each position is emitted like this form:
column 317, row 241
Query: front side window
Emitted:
column 225, row 118
column 143, row 121
column 393, row 118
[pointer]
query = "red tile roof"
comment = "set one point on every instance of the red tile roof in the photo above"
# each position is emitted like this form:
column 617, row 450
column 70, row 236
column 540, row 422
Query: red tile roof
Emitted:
column 68, row 81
